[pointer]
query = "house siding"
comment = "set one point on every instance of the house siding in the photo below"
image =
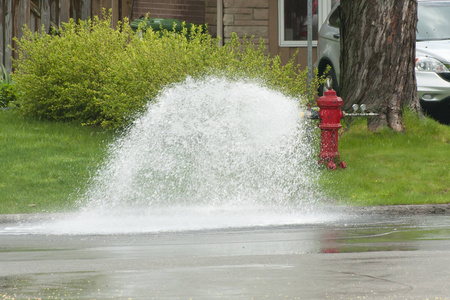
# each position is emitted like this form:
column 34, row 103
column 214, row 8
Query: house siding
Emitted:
column 211, row 16
column 14, row 14
column 257, row 18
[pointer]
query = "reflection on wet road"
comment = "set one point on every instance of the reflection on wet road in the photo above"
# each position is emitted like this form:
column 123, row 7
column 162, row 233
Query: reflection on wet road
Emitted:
column 367, row 257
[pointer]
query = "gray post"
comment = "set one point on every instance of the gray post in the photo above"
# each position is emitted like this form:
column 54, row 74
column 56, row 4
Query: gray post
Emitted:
column 310, row 69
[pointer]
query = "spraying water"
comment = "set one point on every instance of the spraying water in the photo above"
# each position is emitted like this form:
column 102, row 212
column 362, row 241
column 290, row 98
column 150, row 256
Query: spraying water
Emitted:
column 210, row 153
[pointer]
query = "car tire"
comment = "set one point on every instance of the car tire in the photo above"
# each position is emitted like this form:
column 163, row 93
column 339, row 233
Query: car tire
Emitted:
column 332, row 76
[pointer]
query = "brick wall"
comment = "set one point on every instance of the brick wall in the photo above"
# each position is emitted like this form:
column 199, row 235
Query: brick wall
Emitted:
column 191, row 11
column 246, row 17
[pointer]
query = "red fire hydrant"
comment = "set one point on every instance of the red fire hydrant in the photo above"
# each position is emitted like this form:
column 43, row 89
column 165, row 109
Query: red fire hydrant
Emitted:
column 330, row 122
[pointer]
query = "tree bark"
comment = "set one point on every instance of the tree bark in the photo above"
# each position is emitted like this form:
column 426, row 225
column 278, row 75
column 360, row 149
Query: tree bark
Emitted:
column 378, row 42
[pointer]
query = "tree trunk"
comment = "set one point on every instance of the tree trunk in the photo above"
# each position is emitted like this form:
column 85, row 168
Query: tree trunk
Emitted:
column 378, row 42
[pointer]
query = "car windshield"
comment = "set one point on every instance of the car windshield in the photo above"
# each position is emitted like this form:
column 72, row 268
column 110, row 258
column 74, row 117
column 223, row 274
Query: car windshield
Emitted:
column 434, row 21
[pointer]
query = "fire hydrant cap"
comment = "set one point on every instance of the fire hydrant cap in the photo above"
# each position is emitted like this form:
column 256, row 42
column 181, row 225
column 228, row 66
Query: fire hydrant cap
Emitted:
column 330, row 100
column 330, row 93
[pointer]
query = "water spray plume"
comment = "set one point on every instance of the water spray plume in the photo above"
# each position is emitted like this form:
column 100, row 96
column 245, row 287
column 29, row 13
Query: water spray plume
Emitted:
column 208, row 153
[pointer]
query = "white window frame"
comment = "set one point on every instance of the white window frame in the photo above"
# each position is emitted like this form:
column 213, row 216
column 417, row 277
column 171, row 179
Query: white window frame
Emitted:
column 323, row 10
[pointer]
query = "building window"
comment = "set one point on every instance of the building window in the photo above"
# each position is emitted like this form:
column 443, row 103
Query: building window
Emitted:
column 293, row 21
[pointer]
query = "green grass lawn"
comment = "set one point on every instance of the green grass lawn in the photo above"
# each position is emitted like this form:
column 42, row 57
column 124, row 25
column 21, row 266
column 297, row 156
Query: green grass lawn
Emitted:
column 43, row 164
column 387, row 167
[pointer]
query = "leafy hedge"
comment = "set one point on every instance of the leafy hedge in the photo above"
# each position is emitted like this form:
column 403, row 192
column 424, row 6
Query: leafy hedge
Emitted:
column 98, row 75
column 7, row 90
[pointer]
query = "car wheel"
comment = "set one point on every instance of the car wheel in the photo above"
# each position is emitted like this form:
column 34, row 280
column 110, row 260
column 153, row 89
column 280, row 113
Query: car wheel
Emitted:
column 331, row 75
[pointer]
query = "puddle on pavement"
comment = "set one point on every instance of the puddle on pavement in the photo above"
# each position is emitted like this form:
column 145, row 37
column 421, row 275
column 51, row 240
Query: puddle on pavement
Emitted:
column 387, row 233
column 39, row 266
column 372, row 232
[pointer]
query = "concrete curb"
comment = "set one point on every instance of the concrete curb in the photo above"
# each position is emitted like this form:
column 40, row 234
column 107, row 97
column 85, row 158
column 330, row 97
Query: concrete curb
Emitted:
column 422, row 209
column 426, row 209
column 39, row 217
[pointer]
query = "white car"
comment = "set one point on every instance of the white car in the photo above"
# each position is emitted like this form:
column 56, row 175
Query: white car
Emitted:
column 432, row 55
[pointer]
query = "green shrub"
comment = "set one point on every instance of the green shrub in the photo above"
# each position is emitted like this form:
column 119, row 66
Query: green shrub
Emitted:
column 7, row 94
column 63, row 77
column 7, row 89
column 98, row 75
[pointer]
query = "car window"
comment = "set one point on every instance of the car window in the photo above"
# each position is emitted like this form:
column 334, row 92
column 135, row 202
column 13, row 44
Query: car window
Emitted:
column 334, row 19
column 434, row 21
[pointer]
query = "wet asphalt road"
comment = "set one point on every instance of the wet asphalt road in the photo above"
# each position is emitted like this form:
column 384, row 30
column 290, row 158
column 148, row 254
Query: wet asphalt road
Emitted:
column 370, row 257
